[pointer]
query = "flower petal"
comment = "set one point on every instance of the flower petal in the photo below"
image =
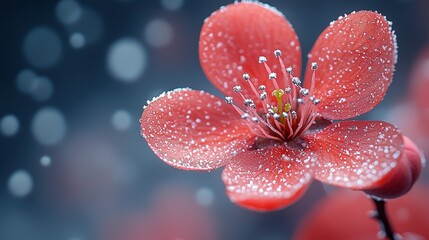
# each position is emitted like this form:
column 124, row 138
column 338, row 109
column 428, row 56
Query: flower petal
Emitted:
column 193, row 130
column 403, row 177
column 356, row 56
column 268, row 179
column 233, row 38
column 356, row 154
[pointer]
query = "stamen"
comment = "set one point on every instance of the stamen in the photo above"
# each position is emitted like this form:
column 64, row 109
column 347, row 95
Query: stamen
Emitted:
column 245, row 116
column 248, row 101
column 277, row 53
column 304, row 91
column 255, row 119
column 316, row 101
column 272, row 75
column 289, row 70
column 263, row 96
column 262, row 59
column 314, row 65
column 288, row 90
column 229, row 100
column 300, row 100
column 262, row 87
column 296, row 81
column 237, row 88
column 246, row 76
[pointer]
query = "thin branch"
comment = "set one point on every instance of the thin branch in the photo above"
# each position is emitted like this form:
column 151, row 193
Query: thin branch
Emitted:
column 381, row 216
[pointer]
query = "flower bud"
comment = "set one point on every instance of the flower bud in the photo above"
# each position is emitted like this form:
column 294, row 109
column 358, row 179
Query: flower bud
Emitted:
column 403, row 176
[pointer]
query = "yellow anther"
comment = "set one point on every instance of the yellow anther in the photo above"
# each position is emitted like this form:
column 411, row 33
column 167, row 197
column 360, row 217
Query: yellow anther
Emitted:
column 278, row 93
column 287, row 107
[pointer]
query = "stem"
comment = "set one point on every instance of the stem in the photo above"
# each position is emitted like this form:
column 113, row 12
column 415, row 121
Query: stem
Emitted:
column 381, row 216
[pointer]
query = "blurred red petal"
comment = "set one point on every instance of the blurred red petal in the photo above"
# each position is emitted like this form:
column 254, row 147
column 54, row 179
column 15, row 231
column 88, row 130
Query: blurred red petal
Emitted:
column 344, row 215
column 356, row 56
column 174, row 214
column 419, row 85
column 356, row 154
column 193, row 130
column 268, row 179
column 402, row 178
column 233, row 38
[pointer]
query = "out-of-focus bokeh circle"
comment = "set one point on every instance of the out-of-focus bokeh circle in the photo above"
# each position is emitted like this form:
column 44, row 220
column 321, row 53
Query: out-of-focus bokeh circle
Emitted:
column 42, row 47
column 48, row 126
column 172, row 4
column 68, row 11
column 158, row 33
column 9, row 125
column 121, row 120
column 20, row 183
column 127, row 59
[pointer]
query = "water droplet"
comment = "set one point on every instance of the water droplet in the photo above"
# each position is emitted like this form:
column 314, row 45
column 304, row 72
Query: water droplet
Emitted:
column 20, row 183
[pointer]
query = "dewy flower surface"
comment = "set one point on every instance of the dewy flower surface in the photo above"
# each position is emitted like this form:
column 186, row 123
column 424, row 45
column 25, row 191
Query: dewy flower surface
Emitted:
column 273, row 132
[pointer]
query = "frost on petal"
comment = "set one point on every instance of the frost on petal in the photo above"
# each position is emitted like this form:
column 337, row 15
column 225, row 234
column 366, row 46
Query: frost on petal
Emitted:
column 356, row 56
column 193, row 130
column 268, row 179
column 356, row 154
column 233, row 38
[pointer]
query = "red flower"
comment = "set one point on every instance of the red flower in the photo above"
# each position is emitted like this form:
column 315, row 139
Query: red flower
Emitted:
column 344, row 215
column 272, row 134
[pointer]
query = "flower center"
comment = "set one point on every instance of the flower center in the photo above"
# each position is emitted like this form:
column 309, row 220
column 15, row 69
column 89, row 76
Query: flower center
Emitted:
column 287, row 112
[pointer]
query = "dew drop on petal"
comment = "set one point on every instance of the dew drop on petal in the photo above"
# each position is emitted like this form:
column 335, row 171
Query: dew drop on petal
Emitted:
column 48, row 126
column 158, row 33
column 121, row 120
column 68, row 11
column 20, row 183
column 172, row 5
column 126, row 60
column 77, row 40
column 9, row 125
column 204, row 196
column 45, row 161
column 42, row 47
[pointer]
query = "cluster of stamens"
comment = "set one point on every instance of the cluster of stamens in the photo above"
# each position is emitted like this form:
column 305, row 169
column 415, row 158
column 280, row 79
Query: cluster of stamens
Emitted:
column 283, row 114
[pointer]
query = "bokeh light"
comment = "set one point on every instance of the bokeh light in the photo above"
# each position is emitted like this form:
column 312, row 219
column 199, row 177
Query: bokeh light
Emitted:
column 48, row 126
column 126, row 60
column 42, row 47
column 172, row 5
column 121, row 120
column 9, row 125
column 89, row 24
column 77, row 40
column 20, row 183
column 68, row 11
column 158, row 33
column 45, row 161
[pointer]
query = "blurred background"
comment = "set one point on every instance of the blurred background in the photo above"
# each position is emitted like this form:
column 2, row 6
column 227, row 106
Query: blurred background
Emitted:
column 75, row 75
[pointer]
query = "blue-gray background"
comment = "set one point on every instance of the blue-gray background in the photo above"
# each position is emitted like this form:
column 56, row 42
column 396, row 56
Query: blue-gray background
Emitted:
column 74, row 78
